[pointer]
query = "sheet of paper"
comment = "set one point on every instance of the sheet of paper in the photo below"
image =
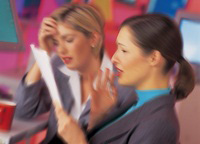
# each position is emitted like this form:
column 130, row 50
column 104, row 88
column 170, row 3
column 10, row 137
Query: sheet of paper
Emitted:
column 43, row 61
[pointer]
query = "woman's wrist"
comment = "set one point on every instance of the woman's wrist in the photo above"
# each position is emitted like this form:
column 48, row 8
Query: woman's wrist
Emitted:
column 95, row 120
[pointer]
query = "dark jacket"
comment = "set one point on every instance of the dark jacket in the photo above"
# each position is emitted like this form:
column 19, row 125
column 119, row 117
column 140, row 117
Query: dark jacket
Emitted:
column 34, row 100
column 153, row 123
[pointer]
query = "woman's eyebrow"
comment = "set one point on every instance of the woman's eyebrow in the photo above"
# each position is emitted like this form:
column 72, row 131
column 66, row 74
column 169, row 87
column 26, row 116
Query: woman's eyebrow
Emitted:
column 118, row 43
column 66, row 35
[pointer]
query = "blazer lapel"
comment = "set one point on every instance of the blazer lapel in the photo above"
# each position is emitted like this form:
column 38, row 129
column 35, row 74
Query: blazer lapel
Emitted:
column 84, row 118
column 65, row 91
column 124, row 125
column 112, row 115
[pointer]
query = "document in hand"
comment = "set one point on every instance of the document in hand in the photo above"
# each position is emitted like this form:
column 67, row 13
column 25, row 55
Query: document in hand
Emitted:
column 43, row 61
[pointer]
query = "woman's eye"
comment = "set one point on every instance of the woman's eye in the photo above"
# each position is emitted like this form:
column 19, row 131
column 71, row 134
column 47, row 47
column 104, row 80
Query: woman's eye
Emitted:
column 124, row 51
column 69, row 40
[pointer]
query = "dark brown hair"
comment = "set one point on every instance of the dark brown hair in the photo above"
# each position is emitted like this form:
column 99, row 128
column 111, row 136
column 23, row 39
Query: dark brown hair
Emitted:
column 158, row 32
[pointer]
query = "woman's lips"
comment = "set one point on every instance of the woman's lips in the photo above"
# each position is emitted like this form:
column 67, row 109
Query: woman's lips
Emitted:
column 67, row 60
column 119, row 72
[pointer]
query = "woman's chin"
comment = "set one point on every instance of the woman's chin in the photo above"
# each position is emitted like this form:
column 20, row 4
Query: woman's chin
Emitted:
column 121, row 81
column 124, row 82
column 71, row 67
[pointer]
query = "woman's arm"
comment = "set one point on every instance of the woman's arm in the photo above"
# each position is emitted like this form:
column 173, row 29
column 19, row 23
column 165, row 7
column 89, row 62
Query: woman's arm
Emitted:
column 32, row 100
column 47, row 30
column 32, row 96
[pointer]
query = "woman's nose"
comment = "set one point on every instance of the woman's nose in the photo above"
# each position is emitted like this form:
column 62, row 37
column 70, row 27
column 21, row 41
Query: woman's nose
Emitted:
column 114, row 58
column 61, row 49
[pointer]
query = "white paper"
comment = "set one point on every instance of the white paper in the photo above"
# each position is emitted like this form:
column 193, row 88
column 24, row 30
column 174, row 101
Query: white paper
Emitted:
column 43, row 61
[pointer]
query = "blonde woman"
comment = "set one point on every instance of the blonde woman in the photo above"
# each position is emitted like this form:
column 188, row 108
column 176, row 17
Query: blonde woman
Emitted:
column 76, row 33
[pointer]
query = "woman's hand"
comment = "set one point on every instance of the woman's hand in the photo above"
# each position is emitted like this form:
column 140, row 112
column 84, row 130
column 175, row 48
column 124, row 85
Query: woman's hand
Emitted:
column 68, row 128
column 103, row 98
column 47, row 30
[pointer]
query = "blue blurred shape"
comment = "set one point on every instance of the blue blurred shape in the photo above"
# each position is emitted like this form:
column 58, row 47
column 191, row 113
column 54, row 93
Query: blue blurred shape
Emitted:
column 128, row 1
column 167, row 7
column 8, row 31
column 190, row 30
column 61, row 2
column 10, row 34
column 27, row 8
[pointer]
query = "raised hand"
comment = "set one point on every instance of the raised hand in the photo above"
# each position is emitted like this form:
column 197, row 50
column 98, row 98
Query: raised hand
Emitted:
column 103, row 97
column 47, row 30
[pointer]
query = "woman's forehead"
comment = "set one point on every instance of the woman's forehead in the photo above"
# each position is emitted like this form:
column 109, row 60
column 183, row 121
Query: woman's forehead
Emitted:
column 65, row 29
column 125, row 35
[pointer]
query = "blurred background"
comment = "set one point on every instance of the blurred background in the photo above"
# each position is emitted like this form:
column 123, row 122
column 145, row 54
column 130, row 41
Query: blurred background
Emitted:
column 20, row 20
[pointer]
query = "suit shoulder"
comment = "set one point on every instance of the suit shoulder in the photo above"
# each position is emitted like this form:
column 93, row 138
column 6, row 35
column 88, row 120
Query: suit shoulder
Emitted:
column 162, row 121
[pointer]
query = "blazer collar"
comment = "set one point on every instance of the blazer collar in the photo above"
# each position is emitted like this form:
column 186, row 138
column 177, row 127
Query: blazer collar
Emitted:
column 106, row 63
column 123, row 125
column 64, row 89
column 74, row 81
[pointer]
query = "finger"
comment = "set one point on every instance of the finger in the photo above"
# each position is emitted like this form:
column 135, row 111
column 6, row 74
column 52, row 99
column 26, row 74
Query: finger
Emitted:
column 99, row 78
column 61, row 112
column 62, row 116
column 50, row 30
column 52, row 20
column 114, row 93
column 47, row 33
column 112, row 88
column 57, row 106
column 91, row 87
column 112, row 78
column 93, row 93
column 48, row 24
column 56, row 103
column 106, row 78
column 49, row 20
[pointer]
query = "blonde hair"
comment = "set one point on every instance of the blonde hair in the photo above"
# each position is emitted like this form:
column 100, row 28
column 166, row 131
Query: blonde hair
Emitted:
column 84, row 18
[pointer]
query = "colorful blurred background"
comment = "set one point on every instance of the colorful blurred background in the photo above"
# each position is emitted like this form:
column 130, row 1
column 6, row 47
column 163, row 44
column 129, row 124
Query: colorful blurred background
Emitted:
column 16, row 60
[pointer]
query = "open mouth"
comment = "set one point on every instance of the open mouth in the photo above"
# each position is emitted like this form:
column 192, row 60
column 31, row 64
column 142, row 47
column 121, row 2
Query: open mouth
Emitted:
column 119, row 72
column 67, row 60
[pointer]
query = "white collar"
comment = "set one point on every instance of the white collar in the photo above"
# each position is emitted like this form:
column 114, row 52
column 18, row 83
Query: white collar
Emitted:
column 74, row 82
column 106, row 63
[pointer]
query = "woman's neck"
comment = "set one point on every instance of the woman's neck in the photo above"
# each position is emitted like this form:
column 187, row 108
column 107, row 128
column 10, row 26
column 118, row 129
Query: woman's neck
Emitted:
column 90, row 69
column 154, row 82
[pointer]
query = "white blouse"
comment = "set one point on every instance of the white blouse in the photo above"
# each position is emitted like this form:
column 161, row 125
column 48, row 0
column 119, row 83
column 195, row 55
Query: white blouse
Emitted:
column 74, row 82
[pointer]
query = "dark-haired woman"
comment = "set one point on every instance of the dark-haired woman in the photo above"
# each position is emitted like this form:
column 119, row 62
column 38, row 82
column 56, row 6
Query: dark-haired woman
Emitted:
column 148, row 48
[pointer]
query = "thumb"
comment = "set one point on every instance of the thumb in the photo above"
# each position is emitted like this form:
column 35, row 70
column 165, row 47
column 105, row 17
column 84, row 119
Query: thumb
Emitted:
column 91, row 87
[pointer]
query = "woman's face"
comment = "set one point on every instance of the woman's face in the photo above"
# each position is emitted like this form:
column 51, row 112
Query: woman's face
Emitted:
column 73, row 47
column 132, row 64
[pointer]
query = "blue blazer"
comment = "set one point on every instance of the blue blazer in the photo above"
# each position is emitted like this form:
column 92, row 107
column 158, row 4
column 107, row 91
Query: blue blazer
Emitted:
column 34, row 100
column 153, row 123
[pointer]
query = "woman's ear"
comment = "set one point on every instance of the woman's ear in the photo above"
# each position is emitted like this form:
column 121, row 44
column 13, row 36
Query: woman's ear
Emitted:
column 95, row 37
column 155, row 58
